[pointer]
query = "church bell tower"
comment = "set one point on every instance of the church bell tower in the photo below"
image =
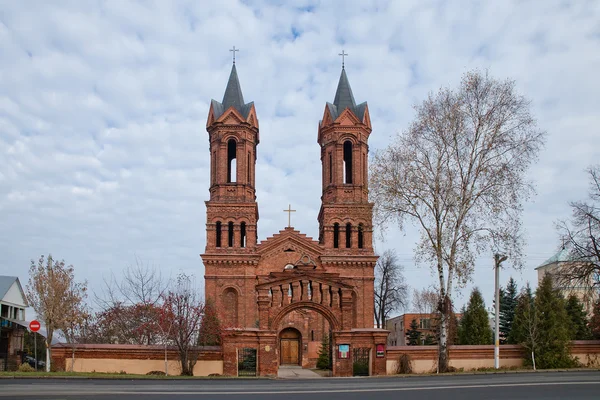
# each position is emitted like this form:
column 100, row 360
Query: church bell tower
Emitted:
column 232, row 211
column 345, row 218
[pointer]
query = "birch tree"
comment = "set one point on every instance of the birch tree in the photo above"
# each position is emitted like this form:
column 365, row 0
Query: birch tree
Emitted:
column 55, row 296
column 459, row 173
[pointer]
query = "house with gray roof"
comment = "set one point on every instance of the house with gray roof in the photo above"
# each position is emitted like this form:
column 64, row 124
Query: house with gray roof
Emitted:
column 12, row 321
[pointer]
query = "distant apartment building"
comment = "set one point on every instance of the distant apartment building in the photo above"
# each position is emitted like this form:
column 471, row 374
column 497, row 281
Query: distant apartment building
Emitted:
column 399, row 326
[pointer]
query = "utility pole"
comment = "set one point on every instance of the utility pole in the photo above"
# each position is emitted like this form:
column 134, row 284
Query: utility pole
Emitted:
column 498, row 259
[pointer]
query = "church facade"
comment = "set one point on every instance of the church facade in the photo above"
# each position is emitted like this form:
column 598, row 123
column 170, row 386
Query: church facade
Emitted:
column 279, row 300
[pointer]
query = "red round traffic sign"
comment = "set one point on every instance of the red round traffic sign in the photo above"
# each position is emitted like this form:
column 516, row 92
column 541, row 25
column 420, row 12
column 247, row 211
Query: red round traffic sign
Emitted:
column 34, row 326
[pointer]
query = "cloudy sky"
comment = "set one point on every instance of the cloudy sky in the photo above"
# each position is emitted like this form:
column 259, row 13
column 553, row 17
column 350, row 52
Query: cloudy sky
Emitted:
column 103, row 106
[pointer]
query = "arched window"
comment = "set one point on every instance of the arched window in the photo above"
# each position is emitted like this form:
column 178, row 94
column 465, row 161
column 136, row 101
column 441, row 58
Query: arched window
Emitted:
column 243, row 234
column 360, row 236
column 347, row 161
column 230, row 307
column 348, row 235
column 231, row 161
column 230, row 232
column 336, row 235
column 218, row 228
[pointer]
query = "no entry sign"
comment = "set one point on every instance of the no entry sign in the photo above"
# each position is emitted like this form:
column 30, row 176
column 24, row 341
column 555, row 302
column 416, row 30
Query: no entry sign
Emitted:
column 34, row 326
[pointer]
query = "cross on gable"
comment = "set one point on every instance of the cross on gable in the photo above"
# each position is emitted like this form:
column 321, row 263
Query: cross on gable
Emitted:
column 289, row 211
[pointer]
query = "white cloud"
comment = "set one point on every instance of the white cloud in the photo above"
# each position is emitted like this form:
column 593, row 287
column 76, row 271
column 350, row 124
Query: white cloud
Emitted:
column 103, row 149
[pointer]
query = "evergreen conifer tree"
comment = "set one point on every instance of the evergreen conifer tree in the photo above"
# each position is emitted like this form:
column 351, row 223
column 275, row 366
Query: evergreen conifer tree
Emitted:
column 414, row 336
column 475, row 326
column 323, row 360
column 508, row 304
column 524, row 327
column 595, row 321
column 579, row 328
column 553, row 327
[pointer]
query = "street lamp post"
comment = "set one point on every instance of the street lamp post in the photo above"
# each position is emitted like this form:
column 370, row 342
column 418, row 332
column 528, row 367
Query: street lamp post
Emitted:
column 498, row 259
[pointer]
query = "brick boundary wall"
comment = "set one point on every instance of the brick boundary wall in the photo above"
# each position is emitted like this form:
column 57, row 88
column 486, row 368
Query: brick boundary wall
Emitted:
column 424, row 358
column 138, row 359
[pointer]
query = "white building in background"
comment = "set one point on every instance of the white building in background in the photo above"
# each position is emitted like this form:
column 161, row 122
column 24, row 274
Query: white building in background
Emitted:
column 12, row 322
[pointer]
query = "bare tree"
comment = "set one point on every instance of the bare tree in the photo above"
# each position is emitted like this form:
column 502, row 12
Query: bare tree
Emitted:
column 183, row 310
column 391, row 290
column 130, row 306
column 55, row 297
column 582, row 238
column 425, row 301
column 459, row 173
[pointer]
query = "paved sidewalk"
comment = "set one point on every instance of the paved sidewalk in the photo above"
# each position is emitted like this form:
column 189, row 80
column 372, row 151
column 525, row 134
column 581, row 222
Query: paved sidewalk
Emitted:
column 296, row 372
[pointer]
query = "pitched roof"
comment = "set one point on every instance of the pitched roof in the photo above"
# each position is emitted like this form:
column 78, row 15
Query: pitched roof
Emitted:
column 561, row 256
column 5, row 283
column 344, row 98
column 233, row 97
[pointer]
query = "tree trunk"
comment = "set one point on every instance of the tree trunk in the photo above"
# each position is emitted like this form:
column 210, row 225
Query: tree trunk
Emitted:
column 443, row 357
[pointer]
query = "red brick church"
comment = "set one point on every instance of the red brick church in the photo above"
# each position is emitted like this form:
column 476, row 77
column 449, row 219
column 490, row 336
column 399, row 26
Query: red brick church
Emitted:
column 278, row 298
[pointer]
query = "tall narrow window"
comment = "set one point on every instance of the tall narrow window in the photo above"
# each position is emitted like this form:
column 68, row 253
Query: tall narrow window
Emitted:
column 230, row 231
column 347, row 161
column 336, row 235
column 360, row 236
column 231, row 161
column 218, row 234
column 330, row 168
column 248, row 179
column 243, row 234
column 348, row 235
column 213, row 174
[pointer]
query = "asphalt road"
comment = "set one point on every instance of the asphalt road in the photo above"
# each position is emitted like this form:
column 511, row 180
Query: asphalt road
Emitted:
column 530, row 386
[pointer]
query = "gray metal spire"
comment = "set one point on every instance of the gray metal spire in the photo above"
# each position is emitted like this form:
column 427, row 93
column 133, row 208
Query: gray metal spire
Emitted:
column 345, row 99
column 233, row 93
column 343, row 95
column 233, row 97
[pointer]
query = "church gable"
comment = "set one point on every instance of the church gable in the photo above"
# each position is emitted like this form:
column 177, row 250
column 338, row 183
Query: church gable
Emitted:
column 252, row 119
column 288, row 247
column 347, row 118
column 231, row 117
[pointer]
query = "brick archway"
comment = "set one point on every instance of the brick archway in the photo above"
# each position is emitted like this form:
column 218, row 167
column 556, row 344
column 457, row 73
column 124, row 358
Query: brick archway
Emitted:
column 321, row 309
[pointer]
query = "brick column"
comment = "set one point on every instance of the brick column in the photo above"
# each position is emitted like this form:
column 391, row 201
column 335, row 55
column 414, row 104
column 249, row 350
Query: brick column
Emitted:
column 276, row 296
column 325, row 300
column 335, row 299
column 346, row 306
column 263, row 308
column 316, row 293
column 296, row 292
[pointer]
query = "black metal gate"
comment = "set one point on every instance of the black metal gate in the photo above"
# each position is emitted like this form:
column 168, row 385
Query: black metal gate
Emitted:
column 247, row 362
column 360, row 361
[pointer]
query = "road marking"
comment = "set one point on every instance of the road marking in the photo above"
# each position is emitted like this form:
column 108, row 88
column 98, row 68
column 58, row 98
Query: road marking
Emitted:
column 316, row 391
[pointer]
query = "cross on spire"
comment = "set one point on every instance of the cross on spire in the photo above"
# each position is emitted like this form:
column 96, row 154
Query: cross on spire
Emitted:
column 343, row 54
column 289, row 211
column 233, row 51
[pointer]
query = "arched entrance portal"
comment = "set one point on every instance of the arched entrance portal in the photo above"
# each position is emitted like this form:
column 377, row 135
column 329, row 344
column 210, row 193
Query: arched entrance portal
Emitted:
column 290, row 348
column 307, row 329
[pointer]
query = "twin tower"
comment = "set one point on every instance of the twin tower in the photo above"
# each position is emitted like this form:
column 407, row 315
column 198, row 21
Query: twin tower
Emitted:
column 345, row 217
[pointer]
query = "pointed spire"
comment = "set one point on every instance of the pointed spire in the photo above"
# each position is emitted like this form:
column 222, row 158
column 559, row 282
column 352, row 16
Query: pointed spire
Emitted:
column 343, row 95
column 233, row 93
